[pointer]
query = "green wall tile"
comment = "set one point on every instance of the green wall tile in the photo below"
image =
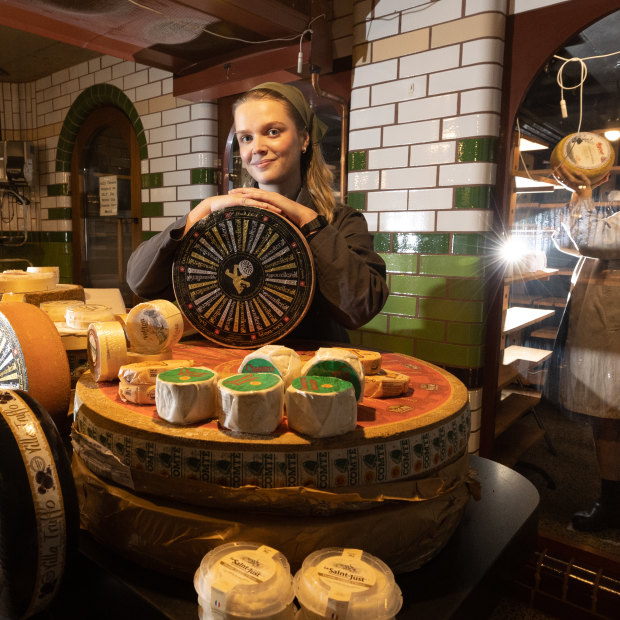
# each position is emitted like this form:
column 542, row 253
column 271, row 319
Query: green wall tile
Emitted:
column 202, row 176
column 455, row 266
column 419, row 285
column 473, row 288
column 400, row 305
column 152, row 209
column 401, row 263
column 382, row 242
column 451, row 310
column 357, row 160
column 387, row 343
column 469, row 243
column 476, row 149
column 355, row 337
column 466, row 333
column 58, row 189
column 377, row 324
column 452, row 354
column 423, row 243
column 59, row 213
column 473, row 197
column 410, row 328
column 357, row 200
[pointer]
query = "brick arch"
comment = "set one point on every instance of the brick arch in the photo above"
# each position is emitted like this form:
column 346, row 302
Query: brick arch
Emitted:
column 86, row 102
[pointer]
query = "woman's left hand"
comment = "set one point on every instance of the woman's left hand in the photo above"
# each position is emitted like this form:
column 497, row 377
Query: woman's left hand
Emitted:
column 295, row 212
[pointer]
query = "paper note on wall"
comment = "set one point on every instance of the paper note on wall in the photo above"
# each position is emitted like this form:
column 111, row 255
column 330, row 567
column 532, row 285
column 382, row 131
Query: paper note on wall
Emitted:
column 108, row 195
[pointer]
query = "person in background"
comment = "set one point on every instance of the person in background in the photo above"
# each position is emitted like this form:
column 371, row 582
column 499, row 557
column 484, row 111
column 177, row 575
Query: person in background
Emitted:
column 589, row 371
column 279, row 142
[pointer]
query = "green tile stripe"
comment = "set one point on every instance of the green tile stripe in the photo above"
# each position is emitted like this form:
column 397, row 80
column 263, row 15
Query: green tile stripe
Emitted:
column 204, row 176
column 414, row 328
column 466, row 333
column 357, row 200
column 357, row 160
column 40, row 236
column 387, row 343
column 58, row 189
column 450, row 354
column 433, row 243
column 152, row 209
column 473, row 197
column 89, row 99
column 401, row 263
column 470, row 243
column 382, row 242
column 421, row 285
column 59, row 213
column 152, row 179
column 452, row 265
column 476, row 149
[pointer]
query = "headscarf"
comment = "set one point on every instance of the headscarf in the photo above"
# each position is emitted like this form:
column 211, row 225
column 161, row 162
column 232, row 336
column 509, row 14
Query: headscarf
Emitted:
column 315, row 126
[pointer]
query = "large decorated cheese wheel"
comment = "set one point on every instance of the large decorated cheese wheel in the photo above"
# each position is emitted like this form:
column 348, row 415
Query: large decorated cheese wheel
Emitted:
column 34, row 358
column 39, row 521
column 273, row 358
column 590, row 154
column 243, row 277
column 154, row 326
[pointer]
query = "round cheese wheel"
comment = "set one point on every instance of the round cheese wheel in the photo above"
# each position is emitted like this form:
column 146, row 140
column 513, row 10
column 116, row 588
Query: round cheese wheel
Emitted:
column 251, row 402
column 56, row 309
column 586, row 153
column 186, row 395
column 53, row 270
column 107, row 350
column 137, row 393
column 321, row 406
column 273, row 358
column 386, row 384
column 337, row 362
column 14, row 281
column 80, row 317
column 370, row 360
column 39, row 521
column 34, row 358
column 154, row 326
column 146, row 372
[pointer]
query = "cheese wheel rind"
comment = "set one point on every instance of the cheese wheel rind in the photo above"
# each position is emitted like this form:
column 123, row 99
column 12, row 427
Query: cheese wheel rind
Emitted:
column 153, row 326
column 107, row 349
column 186, row 395
column 386, row 384
column 15, row 281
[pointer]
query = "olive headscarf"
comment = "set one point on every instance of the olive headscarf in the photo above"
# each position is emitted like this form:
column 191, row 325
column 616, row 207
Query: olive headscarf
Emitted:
column 316, row 127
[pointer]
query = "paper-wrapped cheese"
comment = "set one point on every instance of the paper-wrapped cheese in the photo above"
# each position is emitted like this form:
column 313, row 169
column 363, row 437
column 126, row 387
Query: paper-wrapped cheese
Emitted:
column 137, row 393
column 146, row 372
column 371, row 360
column 153, row 326
column 386, row 384
column 186, row 395
column 273, row 358
column 107, row 350
column 251, row 402
column 321, row 406
column 337, row 362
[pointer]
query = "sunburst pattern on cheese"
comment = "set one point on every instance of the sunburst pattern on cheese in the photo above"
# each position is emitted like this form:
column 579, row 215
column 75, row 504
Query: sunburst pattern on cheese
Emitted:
column 251, row 402
column 273, row 358
column 154, row 326
column 186, row 395
column 337, row 362
column 321, row 406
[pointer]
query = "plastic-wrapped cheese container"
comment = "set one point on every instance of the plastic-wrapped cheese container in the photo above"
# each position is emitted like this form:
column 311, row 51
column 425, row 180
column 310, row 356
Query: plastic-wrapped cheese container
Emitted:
column 346, row 583
column 242, row 581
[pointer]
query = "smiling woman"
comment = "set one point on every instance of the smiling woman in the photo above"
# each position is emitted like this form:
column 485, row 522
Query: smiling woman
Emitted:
column 279, row 139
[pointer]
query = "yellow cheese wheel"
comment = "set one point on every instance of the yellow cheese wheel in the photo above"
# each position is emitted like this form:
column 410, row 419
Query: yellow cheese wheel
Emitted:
column 583, row 153
column 35, row 358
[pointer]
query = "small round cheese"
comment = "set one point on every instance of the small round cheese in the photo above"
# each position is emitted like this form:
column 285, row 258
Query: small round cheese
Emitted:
column 137, row 393
column 146, row 372
column 337, row 362
column 107, row 350
column 585, row 153
column 251, row 402
column 273, row 358
column 321, row 406
column 370, row 360
column 386, row 384
column 15, row 281
column 53, row 270
column 56, row 309
column 80, row 317
column 153, row 326
column 186, row 395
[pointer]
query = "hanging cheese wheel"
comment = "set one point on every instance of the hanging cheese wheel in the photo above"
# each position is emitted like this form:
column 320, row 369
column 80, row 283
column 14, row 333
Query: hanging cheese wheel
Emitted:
column 583, row 153
column 34, row 358
column 39, row 520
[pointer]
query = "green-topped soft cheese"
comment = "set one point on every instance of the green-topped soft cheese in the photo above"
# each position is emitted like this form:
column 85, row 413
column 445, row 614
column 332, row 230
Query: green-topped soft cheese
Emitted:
column 321, row 385
column 258, row 365
column 186, row 375
column 251, row 381
column 339, row 369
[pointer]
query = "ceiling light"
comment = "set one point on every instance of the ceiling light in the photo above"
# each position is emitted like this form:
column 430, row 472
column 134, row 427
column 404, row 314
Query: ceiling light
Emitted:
column 612, row 134
column 524, row 184
column 531, row 144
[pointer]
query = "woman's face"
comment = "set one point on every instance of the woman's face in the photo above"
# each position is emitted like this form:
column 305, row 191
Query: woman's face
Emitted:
column 270, row 145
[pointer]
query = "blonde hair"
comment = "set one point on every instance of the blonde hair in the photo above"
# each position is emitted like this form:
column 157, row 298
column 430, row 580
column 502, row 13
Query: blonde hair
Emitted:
column 315, row 173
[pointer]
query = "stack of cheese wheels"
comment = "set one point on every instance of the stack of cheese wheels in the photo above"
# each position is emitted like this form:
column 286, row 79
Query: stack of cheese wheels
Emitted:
column 251, row 402
column 273, row 358
column 34, row 358
column 186, row 395
column 337, row 362
column 154, row 326
column 16, row 281
column 53, row 270
column 107, row 349
column 321, row 406
column 39, row 521
column 583, row 153
column 137, row 381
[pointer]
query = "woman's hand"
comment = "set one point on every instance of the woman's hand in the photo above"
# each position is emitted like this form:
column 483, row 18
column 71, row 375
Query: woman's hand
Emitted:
column 253, row 196
column 578, row 183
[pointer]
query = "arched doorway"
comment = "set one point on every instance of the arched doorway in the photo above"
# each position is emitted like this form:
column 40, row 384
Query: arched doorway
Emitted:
column 106, row 201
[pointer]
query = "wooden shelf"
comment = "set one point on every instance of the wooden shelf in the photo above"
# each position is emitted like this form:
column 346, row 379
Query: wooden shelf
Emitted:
column 506, row 375
column 508, row 448
column 541, row 274
column 517, row 318
column 551, row 302
column 547, row 333
column 511, row 409
column 516, row 353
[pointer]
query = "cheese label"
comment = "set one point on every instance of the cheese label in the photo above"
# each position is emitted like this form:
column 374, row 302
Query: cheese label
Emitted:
column 346, row 574
column 251, row 382
column 339, row 369
column 186, row 375
column 93, row 346
column 321, row 385
column 259, row 364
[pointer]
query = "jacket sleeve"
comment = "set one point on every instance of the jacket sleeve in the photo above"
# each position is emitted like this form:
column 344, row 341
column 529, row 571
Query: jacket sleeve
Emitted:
column 350, row 274
column 149, row 269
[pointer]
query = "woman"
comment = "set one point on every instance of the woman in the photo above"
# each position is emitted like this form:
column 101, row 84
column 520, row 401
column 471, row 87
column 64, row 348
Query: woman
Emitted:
column 590, row 369
column 279, row 142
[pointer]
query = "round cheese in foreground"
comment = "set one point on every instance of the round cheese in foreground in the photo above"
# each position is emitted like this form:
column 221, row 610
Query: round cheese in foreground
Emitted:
column 153, row 326
column 186, row 395
column 321, row 406
column 56, row 309
column 251, row 402
column 107, row 349
column 337, row 362
column 80, row 317
column 146, row 372
column 346, row 583
column 273, row 358
column 585, row 153
column 14, row 281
